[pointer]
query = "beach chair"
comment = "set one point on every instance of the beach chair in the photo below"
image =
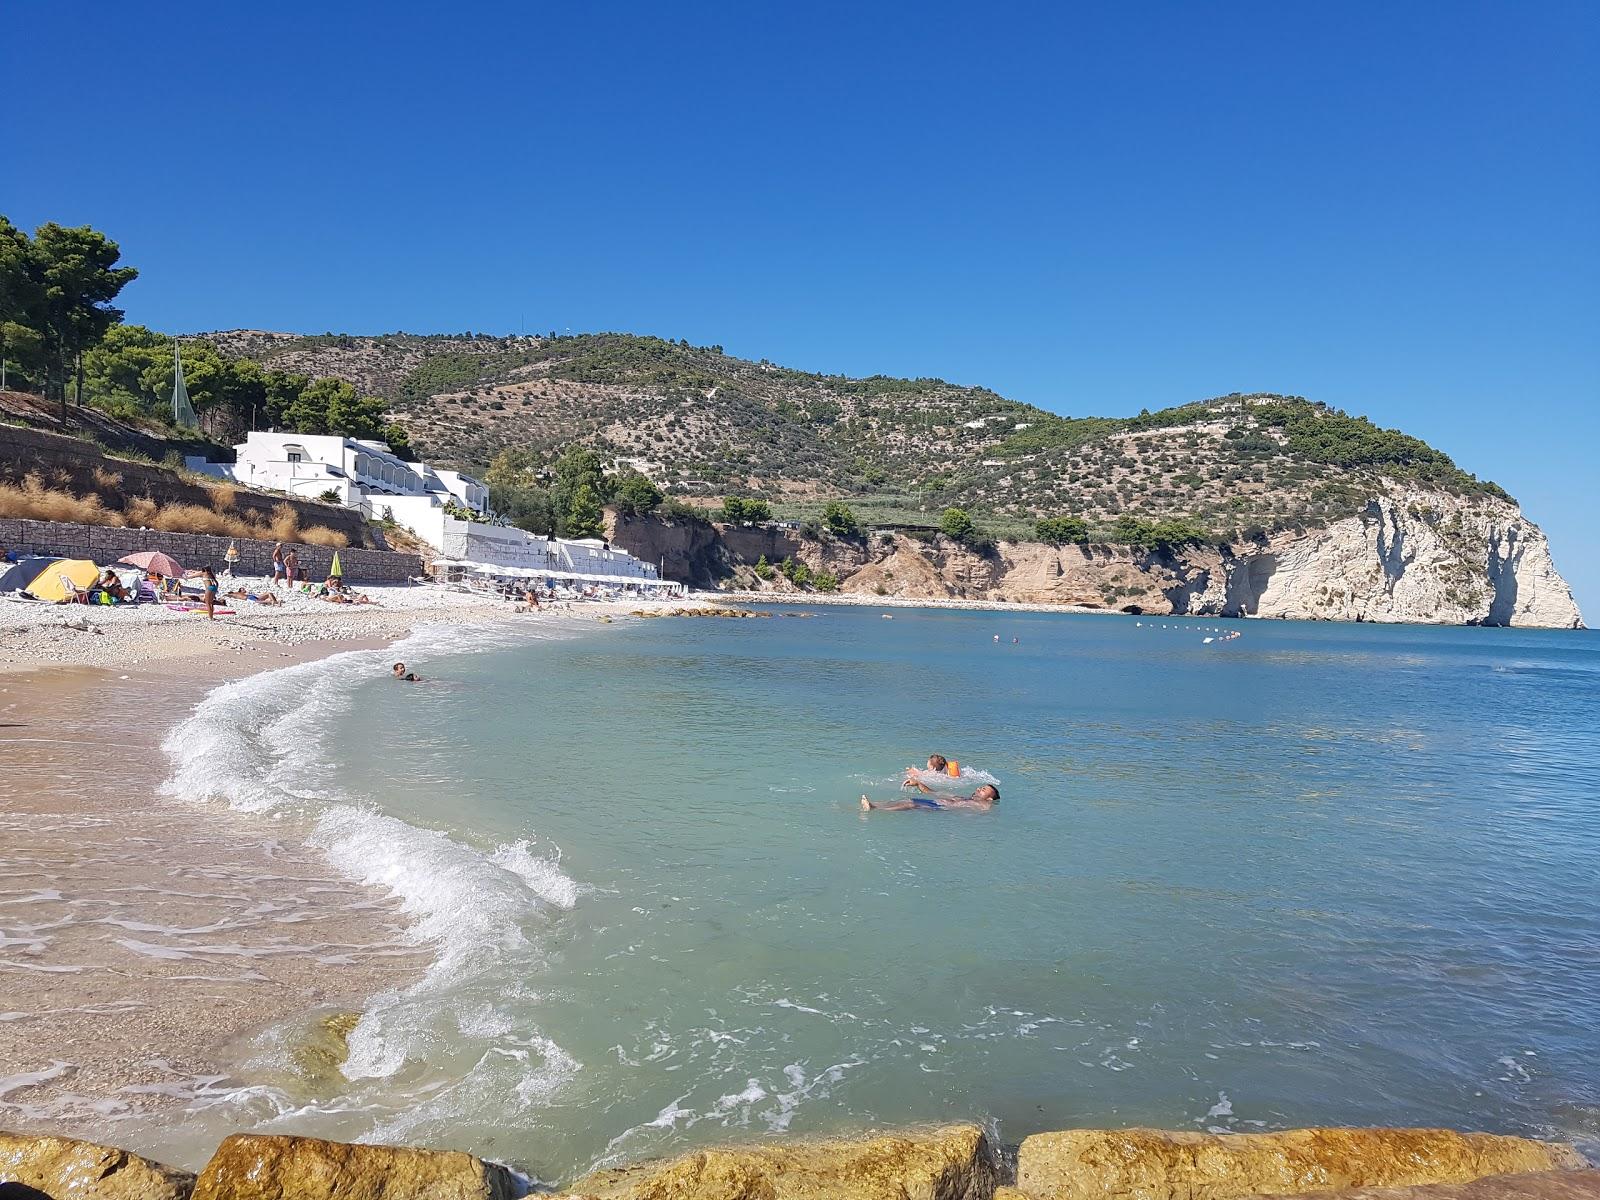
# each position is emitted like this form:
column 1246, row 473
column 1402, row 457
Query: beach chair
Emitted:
column 78, row 595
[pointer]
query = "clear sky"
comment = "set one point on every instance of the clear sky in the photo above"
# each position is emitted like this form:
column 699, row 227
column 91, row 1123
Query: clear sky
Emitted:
column 1394, row 208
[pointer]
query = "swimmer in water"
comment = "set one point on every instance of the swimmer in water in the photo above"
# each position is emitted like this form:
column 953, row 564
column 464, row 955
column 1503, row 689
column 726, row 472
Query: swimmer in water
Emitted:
column 985, row 798
column 399, row 672
column 938, row 764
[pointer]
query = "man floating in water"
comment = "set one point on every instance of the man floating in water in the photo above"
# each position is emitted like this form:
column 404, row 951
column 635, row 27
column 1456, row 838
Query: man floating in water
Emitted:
column 985, row 798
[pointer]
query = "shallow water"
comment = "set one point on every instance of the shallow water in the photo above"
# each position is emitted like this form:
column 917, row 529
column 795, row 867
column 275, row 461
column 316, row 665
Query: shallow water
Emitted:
column 1320, row 874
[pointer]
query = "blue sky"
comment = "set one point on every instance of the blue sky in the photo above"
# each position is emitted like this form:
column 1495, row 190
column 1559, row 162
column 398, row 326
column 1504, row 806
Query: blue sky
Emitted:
column 1392, row 208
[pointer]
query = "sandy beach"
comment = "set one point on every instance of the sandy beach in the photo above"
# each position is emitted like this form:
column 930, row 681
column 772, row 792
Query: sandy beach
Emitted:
column 146, row 942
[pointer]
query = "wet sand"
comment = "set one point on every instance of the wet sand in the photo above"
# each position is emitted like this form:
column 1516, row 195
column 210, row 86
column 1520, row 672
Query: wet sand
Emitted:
column 143, row 940
column 156, row 953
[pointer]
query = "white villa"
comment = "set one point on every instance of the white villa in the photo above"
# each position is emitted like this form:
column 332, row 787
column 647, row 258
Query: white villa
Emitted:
column 369, row 476
column 312, row 465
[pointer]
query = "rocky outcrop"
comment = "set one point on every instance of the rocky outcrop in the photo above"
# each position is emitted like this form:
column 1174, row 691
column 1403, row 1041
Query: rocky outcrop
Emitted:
column 259, row 1167
column 64, row 1167
column 955, row 1162
column 1417, row 556
column 1537, row 1185
column 1412, row 555
column 1149, row 1164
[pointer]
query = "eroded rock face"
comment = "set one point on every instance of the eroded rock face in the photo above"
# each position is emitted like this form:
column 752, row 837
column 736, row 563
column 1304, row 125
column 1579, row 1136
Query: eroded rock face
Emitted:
column 1538, row 1185
column 64, row 1168
column 1418, row 556
column 1414, row 555
column 258, row 1167
column 1149, row 1164
column 950, row 1163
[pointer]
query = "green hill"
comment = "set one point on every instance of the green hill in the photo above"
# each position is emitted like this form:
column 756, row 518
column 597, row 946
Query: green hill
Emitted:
column 899, row 450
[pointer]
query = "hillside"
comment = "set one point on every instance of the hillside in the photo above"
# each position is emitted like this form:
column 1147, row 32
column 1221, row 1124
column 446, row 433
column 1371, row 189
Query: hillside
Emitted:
column 700, row 421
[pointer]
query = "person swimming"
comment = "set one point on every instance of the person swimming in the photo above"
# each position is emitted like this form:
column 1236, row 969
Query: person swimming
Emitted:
column 982, row 800
column 399, row 672
column 938, row 766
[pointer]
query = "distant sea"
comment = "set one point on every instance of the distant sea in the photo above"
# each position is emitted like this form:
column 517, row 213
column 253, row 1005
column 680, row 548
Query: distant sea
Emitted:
column 1318, row 874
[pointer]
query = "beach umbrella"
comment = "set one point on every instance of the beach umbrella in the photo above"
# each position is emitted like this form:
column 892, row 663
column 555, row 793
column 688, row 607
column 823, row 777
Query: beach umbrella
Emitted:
column 46, row 579
column 154, row 560
column 336, row 569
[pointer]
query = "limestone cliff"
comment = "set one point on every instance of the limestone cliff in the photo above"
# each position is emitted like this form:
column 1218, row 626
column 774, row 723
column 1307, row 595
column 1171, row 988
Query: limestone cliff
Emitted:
column 1412, row 555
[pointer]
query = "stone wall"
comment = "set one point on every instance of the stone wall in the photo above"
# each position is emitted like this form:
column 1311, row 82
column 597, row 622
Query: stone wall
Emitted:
column 72, row 464
column 105, row 544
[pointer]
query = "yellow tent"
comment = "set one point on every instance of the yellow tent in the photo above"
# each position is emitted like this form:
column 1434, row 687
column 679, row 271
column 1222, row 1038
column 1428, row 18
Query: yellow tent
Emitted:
column 48, row 585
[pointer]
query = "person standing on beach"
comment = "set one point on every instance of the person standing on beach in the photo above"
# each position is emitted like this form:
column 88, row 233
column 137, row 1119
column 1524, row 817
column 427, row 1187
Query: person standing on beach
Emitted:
column 291, row 565
column 208, row 583
column 277, row 562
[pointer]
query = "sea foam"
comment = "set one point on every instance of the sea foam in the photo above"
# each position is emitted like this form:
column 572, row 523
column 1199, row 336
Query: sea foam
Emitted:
column 260, row 745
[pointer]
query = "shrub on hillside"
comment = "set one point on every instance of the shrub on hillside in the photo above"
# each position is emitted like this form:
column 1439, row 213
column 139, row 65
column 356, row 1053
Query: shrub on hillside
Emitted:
column 1061, row 531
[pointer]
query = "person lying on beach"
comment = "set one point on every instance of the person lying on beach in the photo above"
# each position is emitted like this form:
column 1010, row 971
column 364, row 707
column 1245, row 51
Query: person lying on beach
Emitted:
column 335, row 592
column 266, row 598
column 399, row 672
column 982, row 800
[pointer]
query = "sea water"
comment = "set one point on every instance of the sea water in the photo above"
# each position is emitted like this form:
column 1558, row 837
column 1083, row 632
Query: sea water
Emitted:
column 1316, row 874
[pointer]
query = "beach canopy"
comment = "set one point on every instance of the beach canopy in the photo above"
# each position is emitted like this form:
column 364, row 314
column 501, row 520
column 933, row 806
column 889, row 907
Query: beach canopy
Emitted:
column 42, row 577
column 154, row 560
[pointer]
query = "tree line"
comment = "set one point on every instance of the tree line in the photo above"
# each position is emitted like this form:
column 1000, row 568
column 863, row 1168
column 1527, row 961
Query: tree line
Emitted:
column 61, row 336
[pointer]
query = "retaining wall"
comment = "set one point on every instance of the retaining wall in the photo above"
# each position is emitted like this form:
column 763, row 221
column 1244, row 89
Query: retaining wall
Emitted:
column 67, row 462
column 105, row 544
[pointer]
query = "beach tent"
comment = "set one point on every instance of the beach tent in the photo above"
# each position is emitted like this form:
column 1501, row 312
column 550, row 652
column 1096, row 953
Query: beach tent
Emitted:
column 42, row 577
column 18, row 575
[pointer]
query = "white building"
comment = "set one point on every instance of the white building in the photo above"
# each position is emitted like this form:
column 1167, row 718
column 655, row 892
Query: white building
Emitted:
column 430, row 502
column 351, row 469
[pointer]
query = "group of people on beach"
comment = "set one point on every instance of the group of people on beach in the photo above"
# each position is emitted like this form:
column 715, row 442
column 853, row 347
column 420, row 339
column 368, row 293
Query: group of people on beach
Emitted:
column 286, row 566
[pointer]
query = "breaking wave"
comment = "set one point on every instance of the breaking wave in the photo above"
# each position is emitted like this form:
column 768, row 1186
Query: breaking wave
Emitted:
column 259, row 745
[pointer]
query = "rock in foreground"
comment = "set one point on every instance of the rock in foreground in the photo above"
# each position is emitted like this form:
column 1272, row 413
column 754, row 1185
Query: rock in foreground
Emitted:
column 1537, row 1185
column 60, row 1168
column 1149, row 1164
column 950, row 1163
column 257, row 1167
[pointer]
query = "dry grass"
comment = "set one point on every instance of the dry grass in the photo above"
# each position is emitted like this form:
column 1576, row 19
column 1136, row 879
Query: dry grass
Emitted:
column 285, row 523
column 107, row 480
column 31, row 500
column 321, row 535
column 224, row 497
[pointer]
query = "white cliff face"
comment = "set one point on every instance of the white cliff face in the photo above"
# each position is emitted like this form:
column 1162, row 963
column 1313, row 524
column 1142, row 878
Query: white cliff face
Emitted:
column 1415, row 555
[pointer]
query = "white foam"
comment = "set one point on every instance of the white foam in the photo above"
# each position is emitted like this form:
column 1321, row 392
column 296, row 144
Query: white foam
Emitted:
column 259, row 745
column 28, row 1079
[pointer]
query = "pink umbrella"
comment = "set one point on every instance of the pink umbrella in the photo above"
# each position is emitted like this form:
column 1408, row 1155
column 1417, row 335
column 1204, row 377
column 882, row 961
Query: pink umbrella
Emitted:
column 154, row 560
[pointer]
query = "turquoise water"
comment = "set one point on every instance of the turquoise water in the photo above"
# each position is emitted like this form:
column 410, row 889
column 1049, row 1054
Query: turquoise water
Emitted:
column 1319, row 874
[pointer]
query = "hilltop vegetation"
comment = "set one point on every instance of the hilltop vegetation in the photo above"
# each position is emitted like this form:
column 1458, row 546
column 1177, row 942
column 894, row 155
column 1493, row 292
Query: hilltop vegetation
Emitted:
column 699, row 422
column 671, row 423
